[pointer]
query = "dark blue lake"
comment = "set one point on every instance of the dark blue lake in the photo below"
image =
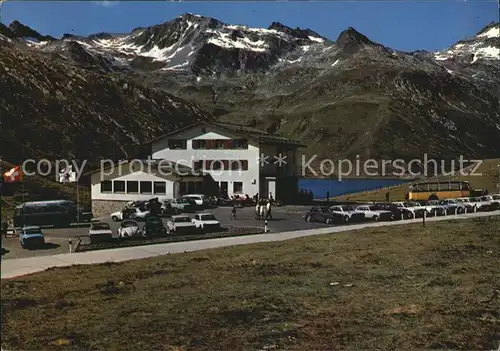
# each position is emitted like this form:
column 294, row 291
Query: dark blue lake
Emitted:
column 319, row 187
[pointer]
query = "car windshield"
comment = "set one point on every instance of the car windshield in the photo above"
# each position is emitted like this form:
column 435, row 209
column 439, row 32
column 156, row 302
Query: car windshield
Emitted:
column 182, row 220
column 100, row 226
column 347, row 208
column 129, row 224
column 32, row 231
column 496, row 197
column 207, row 218
column 154, row 220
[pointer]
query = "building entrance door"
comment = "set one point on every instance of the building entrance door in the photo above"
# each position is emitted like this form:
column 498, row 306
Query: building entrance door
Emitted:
column 223, row 188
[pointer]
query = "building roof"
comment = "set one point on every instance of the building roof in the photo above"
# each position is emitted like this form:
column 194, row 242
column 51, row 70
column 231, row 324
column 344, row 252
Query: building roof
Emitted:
column 165, row 166
column 253, row 133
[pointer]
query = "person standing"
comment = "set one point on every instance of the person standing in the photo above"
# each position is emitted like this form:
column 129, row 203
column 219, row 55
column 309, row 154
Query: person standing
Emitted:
column 268, row 212
column 262, row 209
column 257, row 210
column 387, row 197
column 233, row 212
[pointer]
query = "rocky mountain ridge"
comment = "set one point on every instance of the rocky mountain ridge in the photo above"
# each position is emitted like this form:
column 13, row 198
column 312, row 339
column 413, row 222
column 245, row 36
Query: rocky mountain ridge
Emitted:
column 343, row 98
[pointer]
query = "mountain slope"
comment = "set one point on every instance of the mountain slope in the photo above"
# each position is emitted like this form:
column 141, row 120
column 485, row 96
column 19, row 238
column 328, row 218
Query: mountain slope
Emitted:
column 342, row 98
column 50, row 109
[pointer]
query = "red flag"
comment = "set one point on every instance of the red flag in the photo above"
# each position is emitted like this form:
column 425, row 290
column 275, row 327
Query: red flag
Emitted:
column 13, row 175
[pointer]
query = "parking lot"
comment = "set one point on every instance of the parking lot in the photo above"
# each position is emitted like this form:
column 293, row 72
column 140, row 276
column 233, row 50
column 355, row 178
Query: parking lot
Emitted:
column 286, row 218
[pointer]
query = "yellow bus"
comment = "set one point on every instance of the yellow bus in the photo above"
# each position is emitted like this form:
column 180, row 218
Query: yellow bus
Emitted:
column 439, row 190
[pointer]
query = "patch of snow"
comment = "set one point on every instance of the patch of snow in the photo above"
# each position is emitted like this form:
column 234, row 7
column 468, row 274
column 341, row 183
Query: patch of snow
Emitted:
column 486, row 52
column 318, row 40
column 198, row 79
column 294, row 61
column 333, row 64
column 460, row 45
column 449, row 71
column 498, row 126
column 176, row 67
column 225, row 41
column 490, row 33
column 254, row 30
column 306, row 48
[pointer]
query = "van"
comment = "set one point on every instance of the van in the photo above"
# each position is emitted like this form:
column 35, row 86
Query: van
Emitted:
column 201, row 200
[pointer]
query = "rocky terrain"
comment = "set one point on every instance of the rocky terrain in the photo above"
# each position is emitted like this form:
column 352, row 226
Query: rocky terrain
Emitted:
column 342, row 98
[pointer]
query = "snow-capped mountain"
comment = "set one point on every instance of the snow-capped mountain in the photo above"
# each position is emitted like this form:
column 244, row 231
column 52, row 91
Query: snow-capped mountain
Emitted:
column 342, row 97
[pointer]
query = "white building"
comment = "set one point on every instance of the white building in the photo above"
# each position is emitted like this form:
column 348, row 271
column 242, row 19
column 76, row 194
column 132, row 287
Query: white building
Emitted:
column 231, row 154
column 140, row 180
column 205, row 157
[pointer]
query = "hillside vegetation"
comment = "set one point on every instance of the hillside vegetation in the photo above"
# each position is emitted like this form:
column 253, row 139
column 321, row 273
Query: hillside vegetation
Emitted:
column 401, row 287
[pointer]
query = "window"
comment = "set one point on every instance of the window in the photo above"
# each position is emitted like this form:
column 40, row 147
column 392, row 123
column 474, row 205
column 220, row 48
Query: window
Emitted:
column 132, row 187
column 146, row 187
column 176, row 144
column 224, row 144
column 119, row 186
column 238, row 187
column 203, row 130
column 160, row 188
column 197, row 165
column 454, row 186
column 239, row 165
column 106, row 186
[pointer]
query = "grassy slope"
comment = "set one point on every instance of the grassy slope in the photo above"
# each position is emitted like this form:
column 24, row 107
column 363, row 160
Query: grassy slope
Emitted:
column 411, row 288
column 488, row 180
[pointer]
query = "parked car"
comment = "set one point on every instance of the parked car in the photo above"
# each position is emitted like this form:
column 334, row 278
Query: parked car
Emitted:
column 323, row 215
column 411, row 209
column 128, row 229
column 182, row 205
column 496, row 198
column 397, row 213
column 453, row 206
column 470, row 206
column 206, row 222
column 200, row 199
column 490, row 203
column 480, row 203
column 375, row 213
column 153, row 227
column 100, row 232
column 434, row 208
column 130, row 213
column 31, row 237
column 348, row 212
column 181, row 224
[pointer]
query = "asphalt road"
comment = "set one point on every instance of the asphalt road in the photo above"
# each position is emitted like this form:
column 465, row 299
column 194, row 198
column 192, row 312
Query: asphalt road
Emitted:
column 17, row 267
column 288, row 218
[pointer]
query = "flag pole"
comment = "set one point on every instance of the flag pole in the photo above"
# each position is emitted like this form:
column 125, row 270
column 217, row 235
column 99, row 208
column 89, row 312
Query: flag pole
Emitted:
column 77, row 204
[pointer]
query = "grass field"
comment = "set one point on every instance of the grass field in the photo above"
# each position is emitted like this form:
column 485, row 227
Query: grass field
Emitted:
column 403, row 287
column 488, row 180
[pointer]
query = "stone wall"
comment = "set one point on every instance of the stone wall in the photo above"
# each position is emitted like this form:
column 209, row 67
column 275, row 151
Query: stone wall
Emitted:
column 103, row 208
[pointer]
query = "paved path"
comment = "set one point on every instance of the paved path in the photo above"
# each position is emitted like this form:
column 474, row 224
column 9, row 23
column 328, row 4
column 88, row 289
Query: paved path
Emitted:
column 17, row 267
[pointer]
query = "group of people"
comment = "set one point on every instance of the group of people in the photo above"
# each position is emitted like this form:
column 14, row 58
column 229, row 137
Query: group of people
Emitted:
column 263, row 209
column 305, row 196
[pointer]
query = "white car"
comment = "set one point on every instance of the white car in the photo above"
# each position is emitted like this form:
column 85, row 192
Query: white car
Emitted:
column 129, row 213
column 206, row 222
column 128, row 229
column 181, row 224
column 453, row 206
column 490, row 203
column 469, row 205
column 200, row 199
column 482, row 203
column 375, row 213
column 99, row 232
column 434, row 208
column 496, row 198
column 411, row 209
column 349, row 213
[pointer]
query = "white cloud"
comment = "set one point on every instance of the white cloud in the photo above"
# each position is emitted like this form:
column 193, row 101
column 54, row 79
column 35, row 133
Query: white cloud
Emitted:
column 106, row 3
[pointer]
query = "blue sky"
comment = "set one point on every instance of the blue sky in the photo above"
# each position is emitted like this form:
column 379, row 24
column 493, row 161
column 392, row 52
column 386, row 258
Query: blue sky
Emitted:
column 403, row 25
